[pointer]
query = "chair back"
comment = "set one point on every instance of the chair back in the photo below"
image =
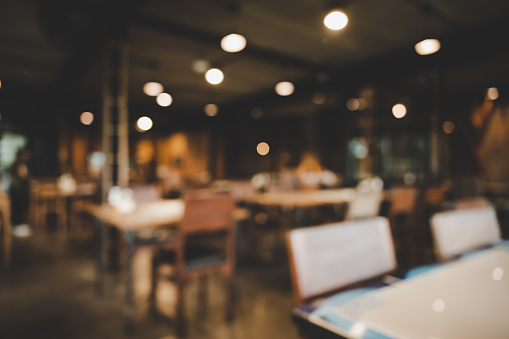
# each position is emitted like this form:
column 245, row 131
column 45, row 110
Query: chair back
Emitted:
column 458, row 231
column 206, row 211
column 364, row 205
column 146, row 193
column 329, row 257
column 403, row 200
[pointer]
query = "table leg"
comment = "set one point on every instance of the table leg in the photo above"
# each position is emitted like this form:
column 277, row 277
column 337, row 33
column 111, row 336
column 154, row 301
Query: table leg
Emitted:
column 129, row 284
column 100, row 231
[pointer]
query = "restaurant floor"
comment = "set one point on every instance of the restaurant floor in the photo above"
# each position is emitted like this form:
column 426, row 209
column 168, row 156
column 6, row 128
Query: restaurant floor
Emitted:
column 48, row 293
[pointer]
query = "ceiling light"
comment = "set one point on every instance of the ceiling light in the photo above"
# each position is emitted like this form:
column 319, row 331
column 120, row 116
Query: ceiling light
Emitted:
column 164, row 99
column 492, row 93
column 233, row 43
column 86, row 118
column 399, row 111
column 153, row 88
column 211, row 110
column 284, row 88
column 335, row 20
column 214, row 76
column 427, row 46
column 144, row 124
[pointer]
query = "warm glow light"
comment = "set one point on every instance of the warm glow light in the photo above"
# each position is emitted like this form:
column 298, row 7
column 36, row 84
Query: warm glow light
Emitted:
column 86, row 118
column 263, row 148
column 353, row 104
column 492, row 93
column 144, row 124
column 153, row 89
column 335, row 20
column 399, row 111
column 448, row 127
column 164, row 99
column 318, row 98
column 0, row 83
column 211, row 110
column 438, row 305
column 284, row 88
column 200, row 66
column 256, row 113
column 233, row 43
column 428, row 46
column 214, row 76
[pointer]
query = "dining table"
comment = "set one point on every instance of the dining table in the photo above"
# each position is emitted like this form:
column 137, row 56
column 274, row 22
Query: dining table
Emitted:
column 465, row 298
column 152, row 224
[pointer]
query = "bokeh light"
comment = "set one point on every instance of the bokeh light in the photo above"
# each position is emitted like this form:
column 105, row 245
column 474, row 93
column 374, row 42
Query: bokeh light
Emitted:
column 144, row 124
column 257, row 113
column 200, row 66
column 164, row 100
column 214, row 76
column 233, row 43
column 263, row 148
column 86, row 118
column 399, row 111
column 153, row 88
column 284, row 88
column 335, row 20
column 448, row 127
column 318, row 98
column 211, row 110
column 353, row 104
column 492, row 93
column 427, row 46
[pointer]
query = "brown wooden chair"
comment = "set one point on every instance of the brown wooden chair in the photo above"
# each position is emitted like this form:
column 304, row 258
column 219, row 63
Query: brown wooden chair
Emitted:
column 332, row 263
column 402, row 217
column 194, row 252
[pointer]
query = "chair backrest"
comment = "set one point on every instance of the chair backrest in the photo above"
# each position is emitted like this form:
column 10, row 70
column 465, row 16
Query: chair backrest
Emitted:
column 329, row 257
column 364, row 205
column 458, row 231
column 206, row 211
column 146, row 193
column 403, row 200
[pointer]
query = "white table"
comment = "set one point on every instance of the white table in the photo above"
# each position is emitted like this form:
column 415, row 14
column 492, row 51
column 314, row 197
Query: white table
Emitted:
column 468, row 298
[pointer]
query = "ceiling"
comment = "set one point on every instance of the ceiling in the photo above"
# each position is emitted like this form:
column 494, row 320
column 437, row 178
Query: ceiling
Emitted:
column 54, row 47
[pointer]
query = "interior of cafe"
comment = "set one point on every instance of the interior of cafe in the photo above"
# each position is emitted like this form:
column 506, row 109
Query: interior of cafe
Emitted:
column 254, row 169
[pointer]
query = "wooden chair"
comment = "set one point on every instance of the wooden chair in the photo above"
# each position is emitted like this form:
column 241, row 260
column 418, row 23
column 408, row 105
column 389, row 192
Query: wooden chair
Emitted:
column 332, row 258
column 205, row 214
column 402, row 217
column 459, row 231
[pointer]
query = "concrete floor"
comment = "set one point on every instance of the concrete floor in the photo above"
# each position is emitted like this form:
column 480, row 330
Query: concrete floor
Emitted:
column 48, row 293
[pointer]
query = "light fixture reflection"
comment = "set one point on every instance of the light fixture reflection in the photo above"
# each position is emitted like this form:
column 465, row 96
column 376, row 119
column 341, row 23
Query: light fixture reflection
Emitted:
column 144, row 124
column 214, row 76
column 164, row 100
column 211, row 110
column 427, row 46
column 284, row 88
column 399, row 111
column 0, row 83
column 233, row 43
column 335, row 20
column 86, row 118
column 153, row 88
column 263, row 148
column 492, row 93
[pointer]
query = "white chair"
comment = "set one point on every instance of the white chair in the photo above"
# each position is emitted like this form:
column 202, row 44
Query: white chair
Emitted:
column 364, row 205
column 459, row 231
column 331, row 257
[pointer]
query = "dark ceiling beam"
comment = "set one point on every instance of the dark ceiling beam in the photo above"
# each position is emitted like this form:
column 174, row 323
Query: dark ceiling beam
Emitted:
column 204, row 37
